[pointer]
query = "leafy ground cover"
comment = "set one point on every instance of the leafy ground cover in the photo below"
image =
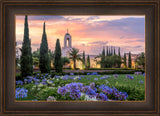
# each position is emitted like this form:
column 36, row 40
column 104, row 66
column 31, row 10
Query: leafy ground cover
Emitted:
column 90, row 87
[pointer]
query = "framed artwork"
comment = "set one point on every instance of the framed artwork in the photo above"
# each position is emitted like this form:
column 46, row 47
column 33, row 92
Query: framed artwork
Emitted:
column 79, row 57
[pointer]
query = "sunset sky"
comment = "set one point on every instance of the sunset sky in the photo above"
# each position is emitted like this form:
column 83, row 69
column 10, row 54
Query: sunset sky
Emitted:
column 89, row 33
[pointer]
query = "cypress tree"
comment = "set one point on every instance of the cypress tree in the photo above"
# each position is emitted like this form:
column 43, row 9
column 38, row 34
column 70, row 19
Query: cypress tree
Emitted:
column 111, row 51
column 57, row 59
column 44, row 61
column 103, row 59
column 114, row 51
column 107, row 52
column 88, row 62
column 125, row 60
column 119, row 54
column 129, row 60
column 26, row 56
column 83, row 62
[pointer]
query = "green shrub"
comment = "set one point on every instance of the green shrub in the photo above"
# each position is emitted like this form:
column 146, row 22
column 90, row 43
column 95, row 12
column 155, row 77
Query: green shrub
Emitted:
column 46, row 92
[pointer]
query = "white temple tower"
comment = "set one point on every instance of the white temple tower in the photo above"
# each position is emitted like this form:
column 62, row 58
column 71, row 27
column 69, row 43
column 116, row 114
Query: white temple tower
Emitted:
column 67, row 45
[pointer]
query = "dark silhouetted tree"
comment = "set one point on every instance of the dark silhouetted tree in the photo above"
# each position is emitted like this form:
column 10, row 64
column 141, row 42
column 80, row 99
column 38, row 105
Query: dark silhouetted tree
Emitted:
column 83, row 61
column 44, row 59
column 129, row 60
column 125, row 60
column 26, row 56
column 57, row 59
column 88, row 62
column 103, row 59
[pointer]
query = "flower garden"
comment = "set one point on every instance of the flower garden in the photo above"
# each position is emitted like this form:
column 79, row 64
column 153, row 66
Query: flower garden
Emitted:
column 89, row 87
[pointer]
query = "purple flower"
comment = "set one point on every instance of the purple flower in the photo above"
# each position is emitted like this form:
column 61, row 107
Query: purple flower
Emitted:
column 89, row 91
column 19, row 82
column 25, row 80
column 92, row 85
column 65, row 77
column 116, row 75
column 75, row 93
column 101, row 96
column 94, row 73
column 129, row 77
column 143, row 74
column 138, row 73
column 51, row 81
column 21, row 93
column 36, row 83
column 96, row 79
column 57, row 76
column 62, row 90
column 44, row 80
column 44, row 83
column 71, row 73
column 71, row 77
column 141, row 81
column 82, row 76
column 29, row 80
column 30, row 77
column 104, row 77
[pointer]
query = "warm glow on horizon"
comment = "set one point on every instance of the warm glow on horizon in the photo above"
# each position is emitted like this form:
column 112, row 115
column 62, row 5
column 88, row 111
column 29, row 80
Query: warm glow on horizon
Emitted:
column 89, row 33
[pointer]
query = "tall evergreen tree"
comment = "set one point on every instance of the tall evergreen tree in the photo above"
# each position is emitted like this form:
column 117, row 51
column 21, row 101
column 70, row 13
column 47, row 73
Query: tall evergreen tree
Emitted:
column 125, row 60
column 44, row 60
column 57, row 59
column 129, row 60
column 103, row 59
column 26, row 56
column 107, row 51
column 111, row 51
column 114, row 51
column 119, row 54
column 83, row 61
column 88, row 62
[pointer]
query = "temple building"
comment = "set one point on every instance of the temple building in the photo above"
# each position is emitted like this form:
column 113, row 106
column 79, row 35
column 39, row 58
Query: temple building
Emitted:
column 67, row 45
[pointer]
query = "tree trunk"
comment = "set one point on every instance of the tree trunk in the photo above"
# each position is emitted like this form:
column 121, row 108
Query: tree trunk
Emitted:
column 74, row 64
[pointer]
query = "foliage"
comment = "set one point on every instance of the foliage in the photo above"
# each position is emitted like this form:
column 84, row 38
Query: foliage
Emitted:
column 88, row 62
column 74, row 55
column 65, row 60
column 57, row 60
column 36, row 53
column 113, row 61
column 140, row 60
column 83, row 61
column 44, row 61
column 26, row 56
column 125, row 60
column 103, row 59
column 35, row 61
column 129, row 60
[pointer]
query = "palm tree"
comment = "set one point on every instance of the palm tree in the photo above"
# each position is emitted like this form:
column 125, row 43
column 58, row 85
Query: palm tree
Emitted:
column 75, row 56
